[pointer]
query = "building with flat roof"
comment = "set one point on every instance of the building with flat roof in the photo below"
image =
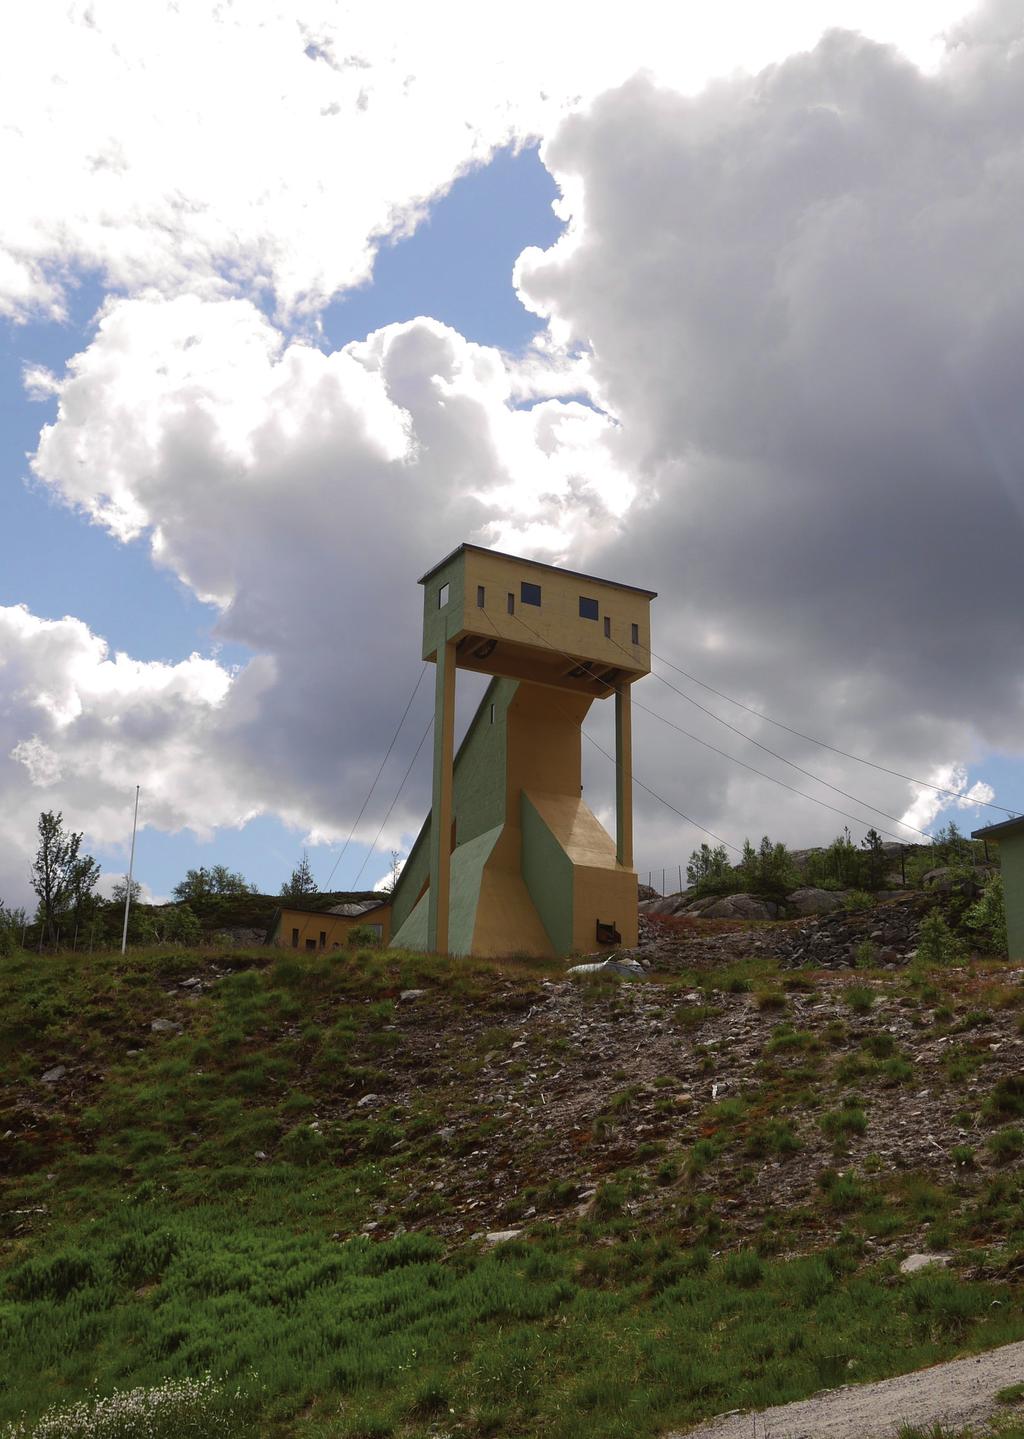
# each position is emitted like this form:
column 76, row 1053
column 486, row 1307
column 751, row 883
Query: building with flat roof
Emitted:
column 510, row 858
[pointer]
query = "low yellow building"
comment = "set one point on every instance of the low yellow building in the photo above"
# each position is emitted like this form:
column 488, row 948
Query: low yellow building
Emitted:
column 298, row 926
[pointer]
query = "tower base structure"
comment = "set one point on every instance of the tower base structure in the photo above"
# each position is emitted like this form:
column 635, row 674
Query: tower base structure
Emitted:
column 532, row 870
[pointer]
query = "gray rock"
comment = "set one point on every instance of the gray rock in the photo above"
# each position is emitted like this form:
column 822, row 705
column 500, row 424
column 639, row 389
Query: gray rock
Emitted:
column 814, row 901
column 55, row 1075
column 915, row 1262
column 165, row 1026
column 666, row 904
column 367, row 1100
column 409, row 996
column 502, row 1236
column 741, row 906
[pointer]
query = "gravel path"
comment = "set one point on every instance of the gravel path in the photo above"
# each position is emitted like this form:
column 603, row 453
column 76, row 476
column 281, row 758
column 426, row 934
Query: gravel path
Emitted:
column 954, row 1395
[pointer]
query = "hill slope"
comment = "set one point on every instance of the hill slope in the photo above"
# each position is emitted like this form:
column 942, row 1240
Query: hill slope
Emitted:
column 288, row 1181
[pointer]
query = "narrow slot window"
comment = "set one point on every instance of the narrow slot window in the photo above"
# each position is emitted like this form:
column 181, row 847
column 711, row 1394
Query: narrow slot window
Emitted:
column 588, row 608
column 635, row 630
column 492, row 714
column 607, row 628
column 442, row 596
column 323, row 939
column 295, row 939
column 480, row 597
column 529, row 594
column 511, row 603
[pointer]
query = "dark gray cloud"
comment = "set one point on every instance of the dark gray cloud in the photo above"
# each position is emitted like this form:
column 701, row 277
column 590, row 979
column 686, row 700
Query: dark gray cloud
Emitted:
column 804, row 300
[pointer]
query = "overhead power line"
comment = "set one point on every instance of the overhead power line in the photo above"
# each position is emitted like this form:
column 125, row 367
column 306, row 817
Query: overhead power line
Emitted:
column 822, row 744
column 573, row 659
column 369, row 794
column 391, row 806
column 793, row 790
column 376, row 778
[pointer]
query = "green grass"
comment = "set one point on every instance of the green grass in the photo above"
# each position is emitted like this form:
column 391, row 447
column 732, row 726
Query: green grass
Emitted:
column 195, row 1208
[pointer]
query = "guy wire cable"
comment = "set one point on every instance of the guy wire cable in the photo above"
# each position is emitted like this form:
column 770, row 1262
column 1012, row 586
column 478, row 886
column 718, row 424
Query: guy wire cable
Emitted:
column 823, row 744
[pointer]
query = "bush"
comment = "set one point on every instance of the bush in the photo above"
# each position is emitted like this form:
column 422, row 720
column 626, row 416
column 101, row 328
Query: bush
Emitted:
column 937, row 944
column 361, row 935
column 988, row 915
column 858, row 899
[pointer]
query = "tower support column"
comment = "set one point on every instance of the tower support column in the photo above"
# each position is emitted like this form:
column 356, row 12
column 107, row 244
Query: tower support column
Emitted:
column 441, row 813
column 623, row 776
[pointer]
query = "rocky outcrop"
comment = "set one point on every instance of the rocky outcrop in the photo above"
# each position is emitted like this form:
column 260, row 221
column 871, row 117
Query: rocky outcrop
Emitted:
column 814, row 901
column 738, row 906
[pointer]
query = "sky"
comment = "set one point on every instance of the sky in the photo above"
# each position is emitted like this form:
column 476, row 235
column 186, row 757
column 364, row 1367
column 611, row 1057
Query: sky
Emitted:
column 293, row 301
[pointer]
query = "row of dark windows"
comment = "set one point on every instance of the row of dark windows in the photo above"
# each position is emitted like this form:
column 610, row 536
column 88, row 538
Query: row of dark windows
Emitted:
column 529, row 594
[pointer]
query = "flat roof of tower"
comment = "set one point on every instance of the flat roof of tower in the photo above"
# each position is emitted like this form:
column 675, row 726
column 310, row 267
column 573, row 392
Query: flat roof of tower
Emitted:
column 535, row 564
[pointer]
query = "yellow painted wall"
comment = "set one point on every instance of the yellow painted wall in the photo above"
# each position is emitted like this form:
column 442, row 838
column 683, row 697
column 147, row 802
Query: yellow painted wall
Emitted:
column 336, row 928
column 556, row 621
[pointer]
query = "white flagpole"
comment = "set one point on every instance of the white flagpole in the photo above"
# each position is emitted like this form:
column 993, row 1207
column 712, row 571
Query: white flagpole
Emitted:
column 131, row 866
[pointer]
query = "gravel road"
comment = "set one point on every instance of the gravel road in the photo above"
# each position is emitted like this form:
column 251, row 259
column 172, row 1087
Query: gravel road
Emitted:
column 954, row 1395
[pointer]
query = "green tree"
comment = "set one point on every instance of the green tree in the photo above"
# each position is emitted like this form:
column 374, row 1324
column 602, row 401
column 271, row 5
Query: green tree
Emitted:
column 62, row 878
column 706, row 865
column 873, row 862
column 180, row 924
column 204, row 883
column 120, row 889
column 301, row 882
column 12, row 927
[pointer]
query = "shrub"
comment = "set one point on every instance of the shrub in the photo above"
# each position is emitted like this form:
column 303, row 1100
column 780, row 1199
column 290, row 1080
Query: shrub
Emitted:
column 362, row 935
column 1006, row 1144
column 858, row 899
column 860, row 998
column 937, row 944
column 744, row 1269
column 988, row 914
column 1007, row 1099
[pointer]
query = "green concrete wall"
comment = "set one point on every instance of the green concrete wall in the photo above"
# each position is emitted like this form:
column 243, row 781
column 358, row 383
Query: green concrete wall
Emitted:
column 478, row 801
column 467, row 872
column 548, row 873
column 440, row 625
column 1011, row 862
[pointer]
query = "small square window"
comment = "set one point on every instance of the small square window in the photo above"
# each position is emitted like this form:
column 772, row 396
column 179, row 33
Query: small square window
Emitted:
column 635, row 631
column 480, row 597
column 511, row 603
column 588, row 608
column 311, row 945
column 529, row 594
column 607, row 628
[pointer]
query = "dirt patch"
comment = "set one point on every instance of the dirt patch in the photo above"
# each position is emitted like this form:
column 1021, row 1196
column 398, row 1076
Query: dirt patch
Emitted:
column 953, row 1395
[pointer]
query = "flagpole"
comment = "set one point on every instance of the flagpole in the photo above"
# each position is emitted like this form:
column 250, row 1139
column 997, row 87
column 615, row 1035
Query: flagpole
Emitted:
column 131, row 866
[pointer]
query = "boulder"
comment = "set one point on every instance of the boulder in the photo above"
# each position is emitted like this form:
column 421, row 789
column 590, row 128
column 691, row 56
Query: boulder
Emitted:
column 741, row 906
column 502, row 1236
column 165, row 1026
column 915, row 1262
column 55, row 1075
column 665, row 904
column 814, row 901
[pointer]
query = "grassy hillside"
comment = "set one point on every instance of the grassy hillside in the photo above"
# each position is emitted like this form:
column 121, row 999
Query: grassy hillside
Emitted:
column 287, row 1186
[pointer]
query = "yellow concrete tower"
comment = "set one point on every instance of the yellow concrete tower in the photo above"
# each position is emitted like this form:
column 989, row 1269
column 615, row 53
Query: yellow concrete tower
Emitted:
column 510, row 858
